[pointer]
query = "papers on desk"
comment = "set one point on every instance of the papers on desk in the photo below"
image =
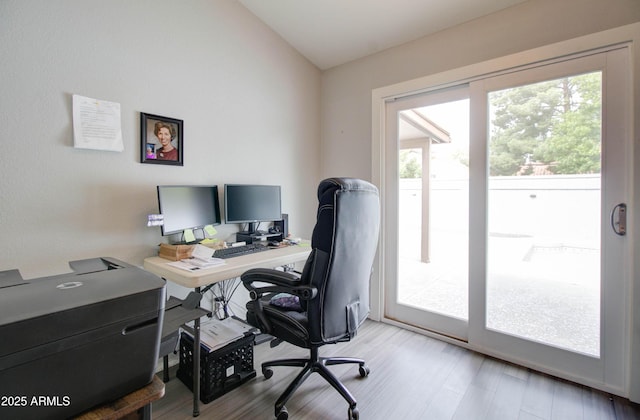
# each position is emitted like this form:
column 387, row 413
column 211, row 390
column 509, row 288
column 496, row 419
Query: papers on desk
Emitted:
column 192, row 264
column 201, row 257
column 216, row 334
column 201, row 252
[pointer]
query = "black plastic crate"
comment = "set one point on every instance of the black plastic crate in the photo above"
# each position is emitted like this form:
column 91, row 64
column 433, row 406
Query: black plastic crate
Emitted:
column 220, row 370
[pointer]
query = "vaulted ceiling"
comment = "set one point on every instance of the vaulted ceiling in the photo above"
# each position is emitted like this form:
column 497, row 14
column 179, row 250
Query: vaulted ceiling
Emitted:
column 332, row 32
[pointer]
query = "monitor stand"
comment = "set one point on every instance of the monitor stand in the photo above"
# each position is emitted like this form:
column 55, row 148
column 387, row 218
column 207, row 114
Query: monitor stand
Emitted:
column 251, row 228
column 252, row 235
column 257, row 236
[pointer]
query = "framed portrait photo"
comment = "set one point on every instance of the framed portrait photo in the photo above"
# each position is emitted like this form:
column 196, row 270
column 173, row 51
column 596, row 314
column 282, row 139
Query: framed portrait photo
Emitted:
column 161, row 140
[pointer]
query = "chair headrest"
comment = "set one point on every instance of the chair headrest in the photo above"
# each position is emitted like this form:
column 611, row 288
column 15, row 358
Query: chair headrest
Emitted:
column 329, row 185
column 327, row 193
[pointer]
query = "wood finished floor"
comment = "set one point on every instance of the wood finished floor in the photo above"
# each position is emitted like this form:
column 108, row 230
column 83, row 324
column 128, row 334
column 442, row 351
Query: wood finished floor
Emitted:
column 412, row 377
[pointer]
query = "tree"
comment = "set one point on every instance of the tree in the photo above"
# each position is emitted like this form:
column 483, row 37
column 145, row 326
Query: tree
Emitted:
column 574, row 146
column 555, row 123
column 410, row 165
column 522, row 119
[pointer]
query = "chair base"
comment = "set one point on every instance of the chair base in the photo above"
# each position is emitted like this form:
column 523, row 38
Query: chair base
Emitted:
column 315, row 364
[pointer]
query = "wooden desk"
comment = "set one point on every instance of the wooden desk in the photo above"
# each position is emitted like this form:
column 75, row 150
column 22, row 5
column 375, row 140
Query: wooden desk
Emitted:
column 233, row 267
column 127, row 406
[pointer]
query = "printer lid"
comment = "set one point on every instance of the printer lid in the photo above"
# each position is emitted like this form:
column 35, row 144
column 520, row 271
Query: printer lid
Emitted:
column 47, row 295
column 9, row 278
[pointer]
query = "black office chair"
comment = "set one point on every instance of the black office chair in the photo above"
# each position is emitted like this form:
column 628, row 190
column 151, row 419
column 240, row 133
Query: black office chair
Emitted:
column 330, row 299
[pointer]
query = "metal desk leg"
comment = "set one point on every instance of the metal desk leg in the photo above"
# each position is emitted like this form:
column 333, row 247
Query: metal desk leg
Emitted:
column 165, row 369
column 196, row 363
column 145, row 412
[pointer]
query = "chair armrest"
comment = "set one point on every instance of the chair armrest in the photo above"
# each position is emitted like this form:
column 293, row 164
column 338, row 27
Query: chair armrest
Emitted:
column 277, row 282
column 267, row 275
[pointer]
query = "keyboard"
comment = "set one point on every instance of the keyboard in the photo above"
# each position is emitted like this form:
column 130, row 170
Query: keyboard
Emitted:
column 236, row 251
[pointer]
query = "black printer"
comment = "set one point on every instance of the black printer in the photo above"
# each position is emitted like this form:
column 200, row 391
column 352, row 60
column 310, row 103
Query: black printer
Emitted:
column 70, row 342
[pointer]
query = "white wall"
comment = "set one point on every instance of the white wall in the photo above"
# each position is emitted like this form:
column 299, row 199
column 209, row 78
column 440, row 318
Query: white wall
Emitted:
column 346, row 89
column 249, row 102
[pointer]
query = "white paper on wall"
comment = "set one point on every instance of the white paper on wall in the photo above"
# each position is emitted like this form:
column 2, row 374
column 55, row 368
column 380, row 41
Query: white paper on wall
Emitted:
column 96, row 124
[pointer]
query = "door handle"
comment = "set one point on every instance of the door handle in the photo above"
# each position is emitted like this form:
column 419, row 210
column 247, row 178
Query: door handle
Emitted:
column 619, row 226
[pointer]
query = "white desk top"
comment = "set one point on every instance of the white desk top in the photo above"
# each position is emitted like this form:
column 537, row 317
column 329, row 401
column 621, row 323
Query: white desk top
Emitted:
column 233, row 267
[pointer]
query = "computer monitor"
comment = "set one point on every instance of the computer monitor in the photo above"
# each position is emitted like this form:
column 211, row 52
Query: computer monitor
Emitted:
column 250, row 204
column 188, row 207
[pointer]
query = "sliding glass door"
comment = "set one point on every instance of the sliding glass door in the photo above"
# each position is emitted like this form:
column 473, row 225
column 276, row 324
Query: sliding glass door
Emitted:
column 505, row 214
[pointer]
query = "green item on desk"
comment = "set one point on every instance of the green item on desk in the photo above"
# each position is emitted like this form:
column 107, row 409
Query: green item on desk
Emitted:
column 189, row 236
column 210, row 230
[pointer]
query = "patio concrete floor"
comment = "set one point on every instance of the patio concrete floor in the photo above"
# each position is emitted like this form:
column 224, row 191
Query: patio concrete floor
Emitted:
column 543, row 292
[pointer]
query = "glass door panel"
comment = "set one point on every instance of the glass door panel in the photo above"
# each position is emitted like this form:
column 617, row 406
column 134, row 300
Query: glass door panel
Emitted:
column 552, row 152
column 433, row 209
column 544, row 198
column 429, row 138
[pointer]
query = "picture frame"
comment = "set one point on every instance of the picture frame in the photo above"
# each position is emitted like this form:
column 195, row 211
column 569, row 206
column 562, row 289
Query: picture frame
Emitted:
column 161, row 140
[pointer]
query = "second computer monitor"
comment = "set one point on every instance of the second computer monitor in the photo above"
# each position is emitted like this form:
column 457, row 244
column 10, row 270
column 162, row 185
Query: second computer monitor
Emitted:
column 245, row 203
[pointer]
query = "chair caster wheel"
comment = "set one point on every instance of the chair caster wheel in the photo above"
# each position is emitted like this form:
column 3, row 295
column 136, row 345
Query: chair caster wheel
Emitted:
column 283, row 414
column 364, row 371
column 354, row 414
column 268, row 373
